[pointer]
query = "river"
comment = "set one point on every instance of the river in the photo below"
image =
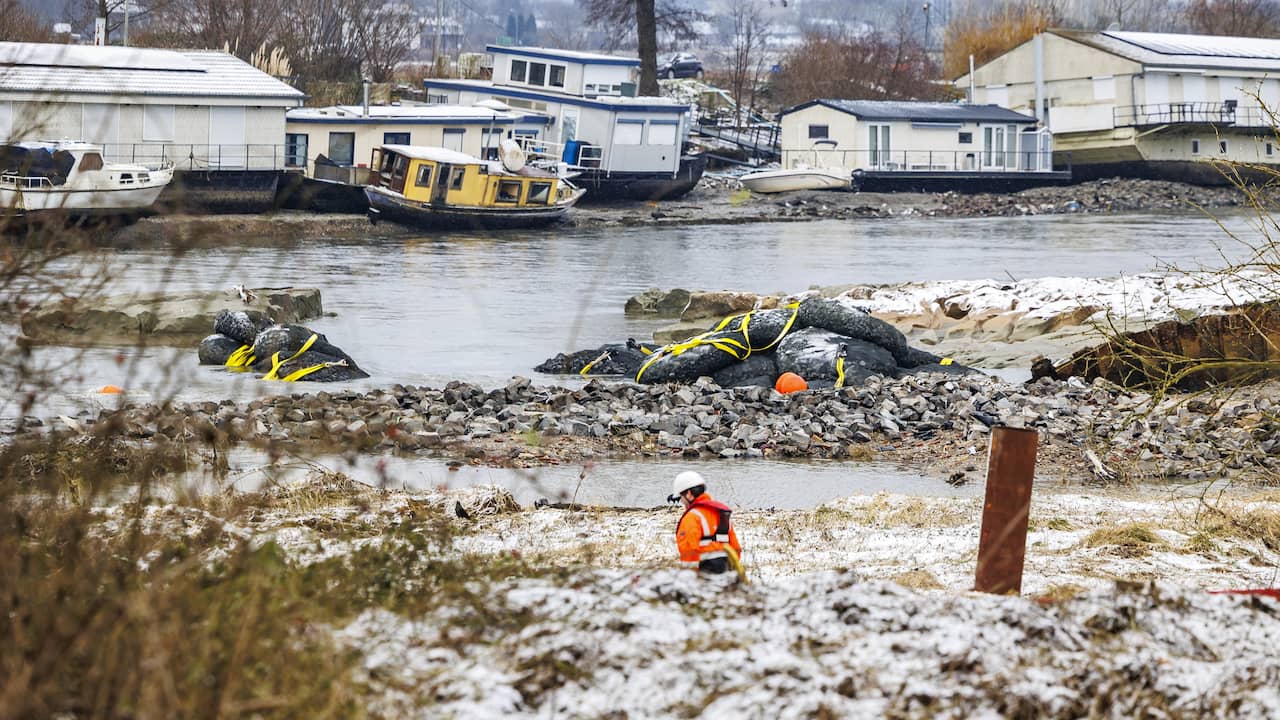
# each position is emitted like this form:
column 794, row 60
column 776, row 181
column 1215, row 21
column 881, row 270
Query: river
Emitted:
column 484, row 307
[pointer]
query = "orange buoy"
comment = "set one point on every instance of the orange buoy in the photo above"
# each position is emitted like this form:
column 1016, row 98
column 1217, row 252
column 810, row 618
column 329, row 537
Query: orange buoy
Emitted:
column 790, row 382
column 110, row 389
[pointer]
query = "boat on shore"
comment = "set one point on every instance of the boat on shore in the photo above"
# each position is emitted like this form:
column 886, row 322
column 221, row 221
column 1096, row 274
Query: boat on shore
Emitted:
column 774, row 181
column 439, row 188
column 71, row 178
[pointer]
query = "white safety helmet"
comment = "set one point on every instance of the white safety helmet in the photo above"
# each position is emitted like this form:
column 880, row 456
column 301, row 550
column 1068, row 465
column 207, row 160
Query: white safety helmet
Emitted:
column 684, row 481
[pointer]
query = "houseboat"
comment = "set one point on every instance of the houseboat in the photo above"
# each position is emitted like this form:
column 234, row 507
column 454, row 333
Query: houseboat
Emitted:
column 71, row 178
column 442, row 188
column 624, row 147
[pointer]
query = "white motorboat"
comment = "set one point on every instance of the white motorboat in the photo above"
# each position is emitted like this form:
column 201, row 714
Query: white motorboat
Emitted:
column 800, row 178
column 72, row 178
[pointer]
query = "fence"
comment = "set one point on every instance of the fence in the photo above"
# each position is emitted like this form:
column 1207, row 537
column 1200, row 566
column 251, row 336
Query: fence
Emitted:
column 925, row 160
column 1204, row 113
column 199, row 157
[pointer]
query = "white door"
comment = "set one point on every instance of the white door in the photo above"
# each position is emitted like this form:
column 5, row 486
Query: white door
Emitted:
column 568, row 124
column 227, row 149
column 101, row 124
column 1155, row 87
column 879, row 145
column 1193, row 89
column 993, row 147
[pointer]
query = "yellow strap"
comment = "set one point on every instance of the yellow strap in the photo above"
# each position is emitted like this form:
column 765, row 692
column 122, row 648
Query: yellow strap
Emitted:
column 599, row 358
column 736, row 562
column 277, row 363
column 297, row 375
column 946, row 361
column 645, row 350
column 242, row 357
column 795, row 311
column 839, row 372
column 739, row 350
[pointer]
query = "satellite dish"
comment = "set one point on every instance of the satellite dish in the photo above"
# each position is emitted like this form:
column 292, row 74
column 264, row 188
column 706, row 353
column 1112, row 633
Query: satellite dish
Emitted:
column 493, row 104
column 511, row 155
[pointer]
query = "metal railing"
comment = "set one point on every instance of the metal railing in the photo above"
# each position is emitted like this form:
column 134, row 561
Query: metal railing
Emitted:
column 199, row 157
column 1197, row 113
column 24, row 182
column 760, row 140
column 924, row 160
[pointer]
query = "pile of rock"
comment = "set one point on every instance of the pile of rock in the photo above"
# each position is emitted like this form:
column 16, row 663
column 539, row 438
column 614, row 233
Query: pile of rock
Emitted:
column 241, row 340
column 1190, row 440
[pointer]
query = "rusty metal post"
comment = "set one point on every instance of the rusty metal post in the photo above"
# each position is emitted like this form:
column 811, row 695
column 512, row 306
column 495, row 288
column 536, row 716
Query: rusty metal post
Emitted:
column 1002, row 546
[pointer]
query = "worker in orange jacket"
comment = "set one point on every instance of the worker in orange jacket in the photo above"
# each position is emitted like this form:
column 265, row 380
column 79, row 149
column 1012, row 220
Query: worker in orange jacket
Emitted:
column 704, row 535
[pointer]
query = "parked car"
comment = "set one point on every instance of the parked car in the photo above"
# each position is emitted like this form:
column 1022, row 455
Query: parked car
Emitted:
column 681, row 65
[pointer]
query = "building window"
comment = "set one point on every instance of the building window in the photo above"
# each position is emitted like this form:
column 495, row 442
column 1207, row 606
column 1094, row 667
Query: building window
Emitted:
column 517, row 70
column 628, row 132
column 966, row 138
column 423, row 178
column 295, row 150
column 557, row 76
column 453, row 138
column 662, row 133
column 490, row 141
column 537, row 73
column 1222, row 147
column 1269, row 150
column 818, row 131
column 1195, row 147
column 342, row 148
column 437, row 99
column 401, row 138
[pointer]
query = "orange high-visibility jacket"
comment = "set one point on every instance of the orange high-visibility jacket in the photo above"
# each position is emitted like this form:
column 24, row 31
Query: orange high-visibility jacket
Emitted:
column 699, row 535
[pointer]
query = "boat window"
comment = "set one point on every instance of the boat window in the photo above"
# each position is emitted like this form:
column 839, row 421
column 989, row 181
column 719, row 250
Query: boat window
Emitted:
column 455, row 180
column 508, row 191
column 91, row 161
column 539, row 193
column 537, row 73
column 396, row 138
column 517, row 70
column 401, row 167
column 557, row 76
column 126, row 178
column 423, row 178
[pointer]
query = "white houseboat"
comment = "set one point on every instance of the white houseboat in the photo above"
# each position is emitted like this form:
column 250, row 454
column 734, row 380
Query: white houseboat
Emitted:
column 71, row 178
column 625, row 147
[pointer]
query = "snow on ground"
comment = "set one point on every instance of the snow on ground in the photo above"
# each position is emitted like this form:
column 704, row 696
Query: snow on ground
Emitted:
column 1149, row 296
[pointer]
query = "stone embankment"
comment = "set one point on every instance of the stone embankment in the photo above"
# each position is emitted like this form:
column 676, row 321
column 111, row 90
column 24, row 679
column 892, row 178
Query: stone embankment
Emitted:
column 936, row 422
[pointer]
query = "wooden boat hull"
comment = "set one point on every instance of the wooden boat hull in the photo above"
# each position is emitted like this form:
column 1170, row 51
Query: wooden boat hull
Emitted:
column 774, row 181
column 383, row 204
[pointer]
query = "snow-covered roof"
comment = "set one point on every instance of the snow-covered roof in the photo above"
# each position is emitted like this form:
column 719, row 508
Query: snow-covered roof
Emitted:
column 409, row 113
column 1184, row 51
column 585, row 58
column 918, row 111
column 610, row 102
column 51, row 69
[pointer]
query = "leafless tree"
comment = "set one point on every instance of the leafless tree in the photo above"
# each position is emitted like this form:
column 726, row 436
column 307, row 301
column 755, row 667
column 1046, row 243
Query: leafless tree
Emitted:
column 643, row 18
column 1139, row 15
column 385, row 33
column 242, row 26
column 1239, row 18
column 19, row 25
column 751, row 28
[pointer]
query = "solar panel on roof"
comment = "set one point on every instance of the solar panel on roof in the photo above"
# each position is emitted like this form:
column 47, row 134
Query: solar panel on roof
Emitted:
column 1201, row 45
column 89, row 56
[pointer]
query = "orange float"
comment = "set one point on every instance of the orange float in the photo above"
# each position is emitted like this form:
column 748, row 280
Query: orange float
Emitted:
column 790, row 382
column 110, row 390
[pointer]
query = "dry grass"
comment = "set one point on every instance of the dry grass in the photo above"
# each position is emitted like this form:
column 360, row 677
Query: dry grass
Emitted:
column 1057, row 593
column 1132, row 540
column 1251, row 521
column 918, row 580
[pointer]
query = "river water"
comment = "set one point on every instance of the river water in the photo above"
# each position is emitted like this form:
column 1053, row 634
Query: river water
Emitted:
column 484, row 307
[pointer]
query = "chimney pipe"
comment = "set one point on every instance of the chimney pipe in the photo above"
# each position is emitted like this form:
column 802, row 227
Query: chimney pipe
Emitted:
column 973, row 95
column 366, row 97
column 1038, row 49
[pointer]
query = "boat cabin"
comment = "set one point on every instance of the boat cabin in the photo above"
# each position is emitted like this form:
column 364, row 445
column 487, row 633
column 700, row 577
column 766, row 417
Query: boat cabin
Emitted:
column 33, row 165
column 439, row 176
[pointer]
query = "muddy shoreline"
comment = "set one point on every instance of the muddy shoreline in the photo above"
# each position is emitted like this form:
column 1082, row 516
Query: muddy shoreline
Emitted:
column 717, row 202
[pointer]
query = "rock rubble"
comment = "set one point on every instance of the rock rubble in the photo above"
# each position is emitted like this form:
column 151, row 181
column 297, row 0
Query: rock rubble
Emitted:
column 516, row 424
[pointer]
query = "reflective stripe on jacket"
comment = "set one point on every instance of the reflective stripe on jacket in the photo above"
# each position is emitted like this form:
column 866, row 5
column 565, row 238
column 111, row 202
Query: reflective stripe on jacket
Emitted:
column 704, row 530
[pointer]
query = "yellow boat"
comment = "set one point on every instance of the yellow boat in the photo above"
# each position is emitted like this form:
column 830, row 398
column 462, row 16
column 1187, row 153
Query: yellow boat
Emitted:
column 440, row 188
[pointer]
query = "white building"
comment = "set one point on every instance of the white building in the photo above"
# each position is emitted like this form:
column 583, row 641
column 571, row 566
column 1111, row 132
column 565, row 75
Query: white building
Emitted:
column 205, row 110
column 629, row 147
column 1144, row 104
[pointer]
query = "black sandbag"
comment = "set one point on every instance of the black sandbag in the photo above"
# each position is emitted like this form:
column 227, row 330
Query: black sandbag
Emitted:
column 856, row 323
column 623, row 360
column 811, row 353
column 215, row 349
column 333, row 373
column 949, row 369
column 240, row 325
column 757, row 370
column 759, row 332
column 287, row 340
